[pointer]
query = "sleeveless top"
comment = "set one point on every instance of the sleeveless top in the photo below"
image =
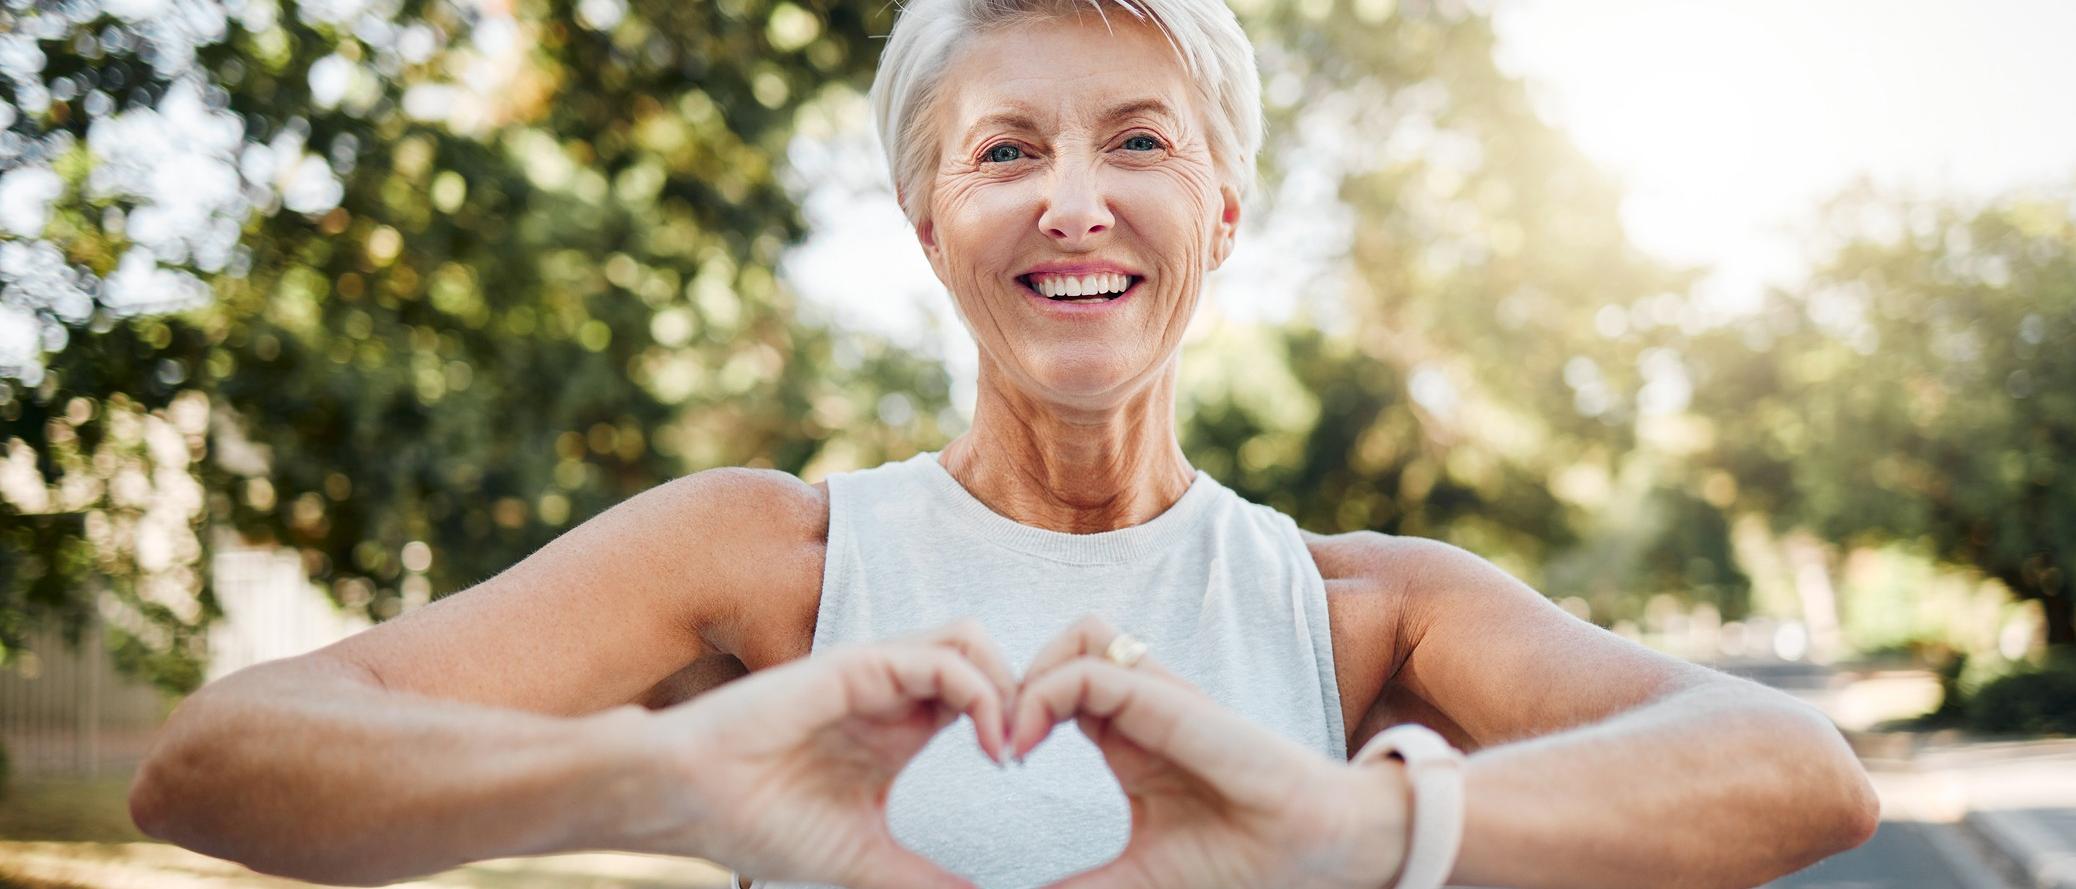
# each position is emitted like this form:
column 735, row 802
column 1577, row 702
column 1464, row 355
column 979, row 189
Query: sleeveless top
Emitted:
column 1222, row 590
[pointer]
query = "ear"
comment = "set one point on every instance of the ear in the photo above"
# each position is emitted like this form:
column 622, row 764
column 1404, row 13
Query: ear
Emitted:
column 1228, row 229
column 926, row 235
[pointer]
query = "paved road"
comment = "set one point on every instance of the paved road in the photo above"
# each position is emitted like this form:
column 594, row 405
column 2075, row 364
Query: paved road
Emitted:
column 1906, row 852
column 1902, row 855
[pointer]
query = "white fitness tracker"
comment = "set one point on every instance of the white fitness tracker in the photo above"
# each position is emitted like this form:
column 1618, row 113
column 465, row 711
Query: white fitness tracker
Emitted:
column 1436, row 771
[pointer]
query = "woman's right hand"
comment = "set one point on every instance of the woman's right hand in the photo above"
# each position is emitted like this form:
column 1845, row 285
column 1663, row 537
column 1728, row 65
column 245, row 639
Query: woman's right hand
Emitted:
column 785, row 772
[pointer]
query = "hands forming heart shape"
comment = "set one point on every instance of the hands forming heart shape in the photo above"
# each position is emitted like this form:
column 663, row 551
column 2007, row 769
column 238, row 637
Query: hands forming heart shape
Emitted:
column 787, row 771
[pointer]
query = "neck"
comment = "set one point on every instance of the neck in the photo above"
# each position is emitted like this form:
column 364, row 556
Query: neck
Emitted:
column 1071, row 470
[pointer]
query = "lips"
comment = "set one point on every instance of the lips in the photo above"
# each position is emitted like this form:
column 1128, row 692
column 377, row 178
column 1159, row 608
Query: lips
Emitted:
column 1097, row 267
column 1030, row 283
column 1062, row 308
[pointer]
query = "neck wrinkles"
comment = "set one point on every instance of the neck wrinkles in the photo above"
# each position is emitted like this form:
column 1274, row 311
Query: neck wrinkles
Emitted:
column 1076, row 472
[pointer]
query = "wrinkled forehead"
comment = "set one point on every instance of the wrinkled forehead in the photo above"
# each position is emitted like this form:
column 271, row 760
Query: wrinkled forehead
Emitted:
column 1054, row 75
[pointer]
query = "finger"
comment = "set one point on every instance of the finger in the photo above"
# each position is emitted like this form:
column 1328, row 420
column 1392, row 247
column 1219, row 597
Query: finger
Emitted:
column 1061, row 693
column 891, row 866
column 1166, row 719
column 890, row 679
column 1089, row 636
column 1118, row 873
column 961, row 684
column 1092, row 728
column 971, row 638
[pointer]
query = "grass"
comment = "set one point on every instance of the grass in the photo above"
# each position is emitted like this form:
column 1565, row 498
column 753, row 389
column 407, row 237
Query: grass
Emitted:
column 69, row 810
column 9, row 881
column 75, row 833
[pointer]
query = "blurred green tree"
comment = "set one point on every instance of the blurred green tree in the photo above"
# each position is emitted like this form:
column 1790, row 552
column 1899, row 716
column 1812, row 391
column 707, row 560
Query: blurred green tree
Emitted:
column 1921, row 387
column 493, row 271
column 1483, row 327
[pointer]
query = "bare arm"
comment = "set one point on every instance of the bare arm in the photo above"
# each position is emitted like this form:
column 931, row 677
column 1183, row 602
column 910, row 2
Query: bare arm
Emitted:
column 298, row 769
column 1721, row 785
column 492, row 722
column 1599, row 762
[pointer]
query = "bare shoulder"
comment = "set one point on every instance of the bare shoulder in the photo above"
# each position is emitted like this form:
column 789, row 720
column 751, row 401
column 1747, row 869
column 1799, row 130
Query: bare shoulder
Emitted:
column 666, row 593
column 766, row 533
column 1371, row 597
column 1482, row 656
column 1384, row 571
column 735, row 500
column 1365, row 603
column 1368, row 555
column 753, row 540
column 1415, row 580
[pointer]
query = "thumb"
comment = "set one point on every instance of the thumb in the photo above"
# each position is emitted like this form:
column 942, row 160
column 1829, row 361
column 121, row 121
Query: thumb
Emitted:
column 1121, row 873
column 890, row 865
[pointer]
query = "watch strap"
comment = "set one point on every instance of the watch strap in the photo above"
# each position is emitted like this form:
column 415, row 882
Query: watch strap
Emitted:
column 1435, row 770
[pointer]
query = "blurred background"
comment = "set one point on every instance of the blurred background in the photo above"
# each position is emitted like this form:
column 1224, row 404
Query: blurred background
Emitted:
column 1746, row 330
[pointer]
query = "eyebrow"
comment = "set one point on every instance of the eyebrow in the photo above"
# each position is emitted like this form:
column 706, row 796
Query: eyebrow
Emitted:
column 1019, row 117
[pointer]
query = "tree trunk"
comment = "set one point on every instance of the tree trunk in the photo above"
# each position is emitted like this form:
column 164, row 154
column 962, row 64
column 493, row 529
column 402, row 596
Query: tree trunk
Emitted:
column 1812, row 573
column 2059, row 606
column 2057, row 597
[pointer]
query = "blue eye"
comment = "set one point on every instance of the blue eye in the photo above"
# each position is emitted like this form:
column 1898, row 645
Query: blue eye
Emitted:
column 996, row 155
column 1151, row 144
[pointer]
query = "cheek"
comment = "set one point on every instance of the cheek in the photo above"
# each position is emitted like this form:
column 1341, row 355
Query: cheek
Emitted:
column 975, row 221
column 972, row 219
column 1178, row 216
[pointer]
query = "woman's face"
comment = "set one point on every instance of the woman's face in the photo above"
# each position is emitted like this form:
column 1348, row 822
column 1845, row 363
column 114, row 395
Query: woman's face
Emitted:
column 1069, row 151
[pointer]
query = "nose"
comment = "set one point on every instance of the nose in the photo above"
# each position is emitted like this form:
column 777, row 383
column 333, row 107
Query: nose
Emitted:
column 1075, row 209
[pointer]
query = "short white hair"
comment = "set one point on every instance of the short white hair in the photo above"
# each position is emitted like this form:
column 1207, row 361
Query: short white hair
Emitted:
column 928, row 33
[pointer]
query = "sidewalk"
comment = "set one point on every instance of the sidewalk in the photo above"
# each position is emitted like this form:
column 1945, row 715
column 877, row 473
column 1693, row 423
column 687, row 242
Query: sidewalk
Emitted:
column 2019, row 797
column 160, row 866
column 2012, row 801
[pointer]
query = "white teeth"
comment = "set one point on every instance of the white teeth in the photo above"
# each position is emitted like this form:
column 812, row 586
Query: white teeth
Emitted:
column 1085, row 285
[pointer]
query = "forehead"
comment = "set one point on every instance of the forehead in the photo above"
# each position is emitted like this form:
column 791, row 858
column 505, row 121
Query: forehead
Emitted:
column 1065, row 72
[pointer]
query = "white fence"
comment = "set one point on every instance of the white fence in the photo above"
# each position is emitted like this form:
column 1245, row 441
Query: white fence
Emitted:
column 67, row 711
column 270, row 610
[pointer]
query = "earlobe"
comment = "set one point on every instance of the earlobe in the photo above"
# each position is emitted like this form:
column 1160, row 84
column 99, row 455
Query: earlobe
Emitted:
column 926, row 234
column 1228, row 225
column 923, row 232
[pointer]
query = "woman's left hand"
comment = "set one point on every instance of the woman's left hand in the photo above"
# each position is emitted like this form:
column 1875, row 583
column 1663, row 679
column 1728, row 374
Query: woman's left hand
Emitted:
column 1216, row 800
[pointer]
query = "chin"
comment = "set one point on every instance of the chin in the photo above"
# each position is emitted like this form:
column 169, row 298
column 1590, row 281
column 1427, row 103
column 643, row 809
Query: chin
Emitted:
column 1085, row 373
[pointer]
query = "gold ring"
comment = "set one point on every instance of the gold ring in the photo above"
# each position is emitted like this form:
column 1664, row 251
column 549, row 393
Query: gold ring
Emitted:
column 1125, row 650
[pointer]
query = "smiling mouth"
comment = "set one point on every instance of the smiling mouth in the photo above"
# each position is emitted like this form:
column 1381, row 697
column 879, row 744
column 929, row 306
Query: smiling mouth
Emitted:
column 1131, row 281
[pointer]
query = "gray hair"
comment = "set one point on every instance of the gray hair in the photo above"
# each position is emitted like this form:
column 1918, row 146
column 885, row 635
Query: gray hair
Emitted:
column 1204, row 33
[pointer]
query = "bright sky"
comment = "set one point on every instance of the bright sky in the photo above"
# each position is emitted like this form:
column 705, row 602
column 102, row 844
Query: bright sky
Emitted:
column 1727, row 120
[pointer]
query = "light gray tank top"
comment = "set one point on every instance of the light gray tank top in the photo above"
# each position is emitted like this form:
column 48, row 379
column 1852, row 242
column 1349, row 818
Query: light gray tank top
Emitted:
column 1222, row 590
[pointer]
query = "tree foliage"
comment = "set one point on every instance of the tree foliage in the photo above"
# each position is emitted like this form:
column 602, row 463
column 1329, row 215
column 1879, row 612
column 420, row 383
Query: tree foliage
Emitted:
column 1921, row 387
column 1484, row 328
column 530, row 274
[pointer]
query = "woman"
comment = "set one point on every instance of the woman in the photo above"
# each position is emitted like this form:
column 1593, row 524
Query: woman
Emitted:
column 1073, row 169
